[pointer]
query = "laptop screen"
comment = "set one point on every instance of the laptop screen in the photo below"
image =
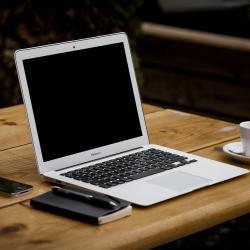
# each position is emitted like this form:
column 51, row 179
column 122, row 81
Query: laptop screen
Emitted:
column 82, row 100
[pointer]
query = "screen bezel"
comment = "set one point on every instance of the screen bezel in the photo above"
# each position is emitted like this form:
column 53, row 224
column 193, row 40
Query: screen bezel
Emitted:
column 93, row 154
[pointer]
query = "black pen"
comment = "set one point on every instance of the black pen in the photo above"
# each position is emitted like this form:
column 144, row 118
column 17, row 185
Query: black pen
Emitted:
column 83, row 197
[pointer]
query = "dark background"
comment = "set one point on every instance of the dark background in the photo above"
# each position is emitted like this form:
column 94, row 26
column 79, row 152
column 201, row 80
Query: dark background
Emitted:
column 27, row 23
column 198, row 75
column 205, row 79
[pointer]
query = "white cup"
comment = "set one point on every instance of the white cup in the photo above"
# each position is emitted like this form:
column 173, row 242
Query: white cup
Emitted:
column 245, row 137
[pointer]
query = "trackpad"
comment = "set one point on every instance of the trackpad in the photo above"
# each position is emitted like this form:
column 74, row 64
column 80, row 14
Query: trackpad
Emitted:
column 179, row 181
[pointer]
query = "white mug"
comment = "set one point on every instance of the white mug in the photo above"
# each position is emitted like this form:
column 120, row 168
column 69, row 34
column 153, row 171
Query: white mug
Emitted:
column 245, row 137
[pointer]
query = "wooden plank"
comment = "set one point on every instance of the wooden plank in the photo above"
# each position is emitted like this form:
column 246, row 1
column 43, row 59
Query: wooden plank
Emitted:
column 182, row 66
column 151, row 226
column 216, row 152
column 19, row 164
column 188, row 132
column 169, row 128
column 209, row 60
column 13, row 127
column 188, row 90
column 194, row 36
column 162, row 129
column 149, row 108
column 146, row 228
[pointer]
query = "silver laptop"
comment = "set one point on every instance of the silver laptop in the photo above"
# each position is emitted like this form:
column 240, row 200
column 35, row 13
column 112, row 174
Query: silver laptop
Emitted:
column 88, row 128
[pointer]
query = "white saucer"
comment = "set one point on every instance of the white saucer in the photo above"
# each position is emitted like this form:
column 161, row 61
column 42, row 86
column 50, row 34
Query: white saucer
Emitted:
column 236, row 147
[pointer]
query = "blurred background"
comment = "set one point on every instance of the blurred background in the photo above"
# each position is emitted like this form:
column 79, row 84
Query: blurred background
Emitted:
column 191, row 55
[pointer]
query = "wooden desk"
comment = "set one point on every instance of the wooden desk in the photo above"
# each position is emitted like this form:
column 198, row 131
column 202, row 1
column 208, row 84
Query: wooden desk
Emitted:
column 22, row 227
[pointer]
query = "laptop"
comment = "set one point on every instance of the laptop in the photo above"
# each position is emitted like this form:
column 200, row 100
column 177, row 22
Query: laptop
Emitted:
column 88, row 128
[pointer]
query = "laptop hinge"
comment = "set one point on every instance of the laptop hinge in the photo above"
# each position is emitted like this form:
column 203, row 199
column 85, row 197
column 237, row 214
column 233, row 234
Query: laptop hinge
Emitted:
column 99, row 159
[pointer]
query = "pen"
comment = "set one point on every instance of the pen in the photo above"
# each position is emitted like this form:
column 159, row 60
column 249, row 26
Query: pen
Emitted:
column 83, row 197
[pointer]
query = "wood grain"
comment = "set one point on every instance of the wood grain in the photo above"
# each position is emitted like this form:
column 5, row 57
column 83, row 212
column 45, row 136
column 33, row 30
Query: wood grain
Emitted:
column 23, row 228
column 196, row 70
column 194, row 36
column 149, row 108
column 13, row 127
column 169, row 128
column 216, row 152
column 161, row 126
column 19, row 164
column 188, row 132
column 146, row 228
column 188, row 90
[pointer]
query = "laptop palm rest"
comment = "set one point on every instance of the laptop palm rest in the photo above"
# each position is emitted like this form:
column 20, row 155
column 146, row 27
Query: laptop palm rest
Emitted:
column 179, row 181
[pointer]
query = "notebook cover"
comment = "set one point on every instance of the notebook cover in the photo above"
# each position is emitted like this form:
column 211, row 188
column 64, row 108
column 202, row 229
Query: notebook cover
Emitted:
column 76, row 209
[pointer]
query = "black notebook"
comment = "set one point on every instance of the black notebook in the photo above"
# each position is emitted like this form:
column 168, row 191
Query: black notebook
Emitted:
column 81, row 210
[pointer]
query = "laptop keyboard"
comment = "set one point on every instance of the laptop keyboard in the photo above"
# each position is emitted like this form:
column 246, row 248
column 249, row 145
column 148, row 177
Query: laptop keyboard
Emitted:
column 128, row 168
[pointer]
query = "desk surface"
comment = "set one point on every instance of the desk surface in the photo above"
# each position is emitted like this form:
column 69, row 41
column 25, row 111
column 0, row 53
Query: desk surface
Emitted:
column 22, row 227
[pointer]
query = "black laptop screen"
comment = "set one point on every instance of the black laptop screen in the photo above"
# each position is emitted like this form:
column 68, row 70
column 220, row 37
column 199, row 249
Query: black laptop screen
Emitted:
column 82, row 100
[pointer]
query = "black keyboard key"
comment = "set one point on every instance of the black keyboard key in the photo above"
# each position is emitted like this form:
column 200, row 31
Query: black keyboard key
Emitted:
column 128, row 168
column 103, row 185
column 168, row 167
column 191, row 161
column 147, row 173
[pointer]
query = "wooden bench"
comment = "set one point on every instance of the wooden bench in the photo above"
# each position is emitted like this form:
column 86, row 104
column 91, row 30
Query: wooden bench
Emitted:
column 196, row 70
